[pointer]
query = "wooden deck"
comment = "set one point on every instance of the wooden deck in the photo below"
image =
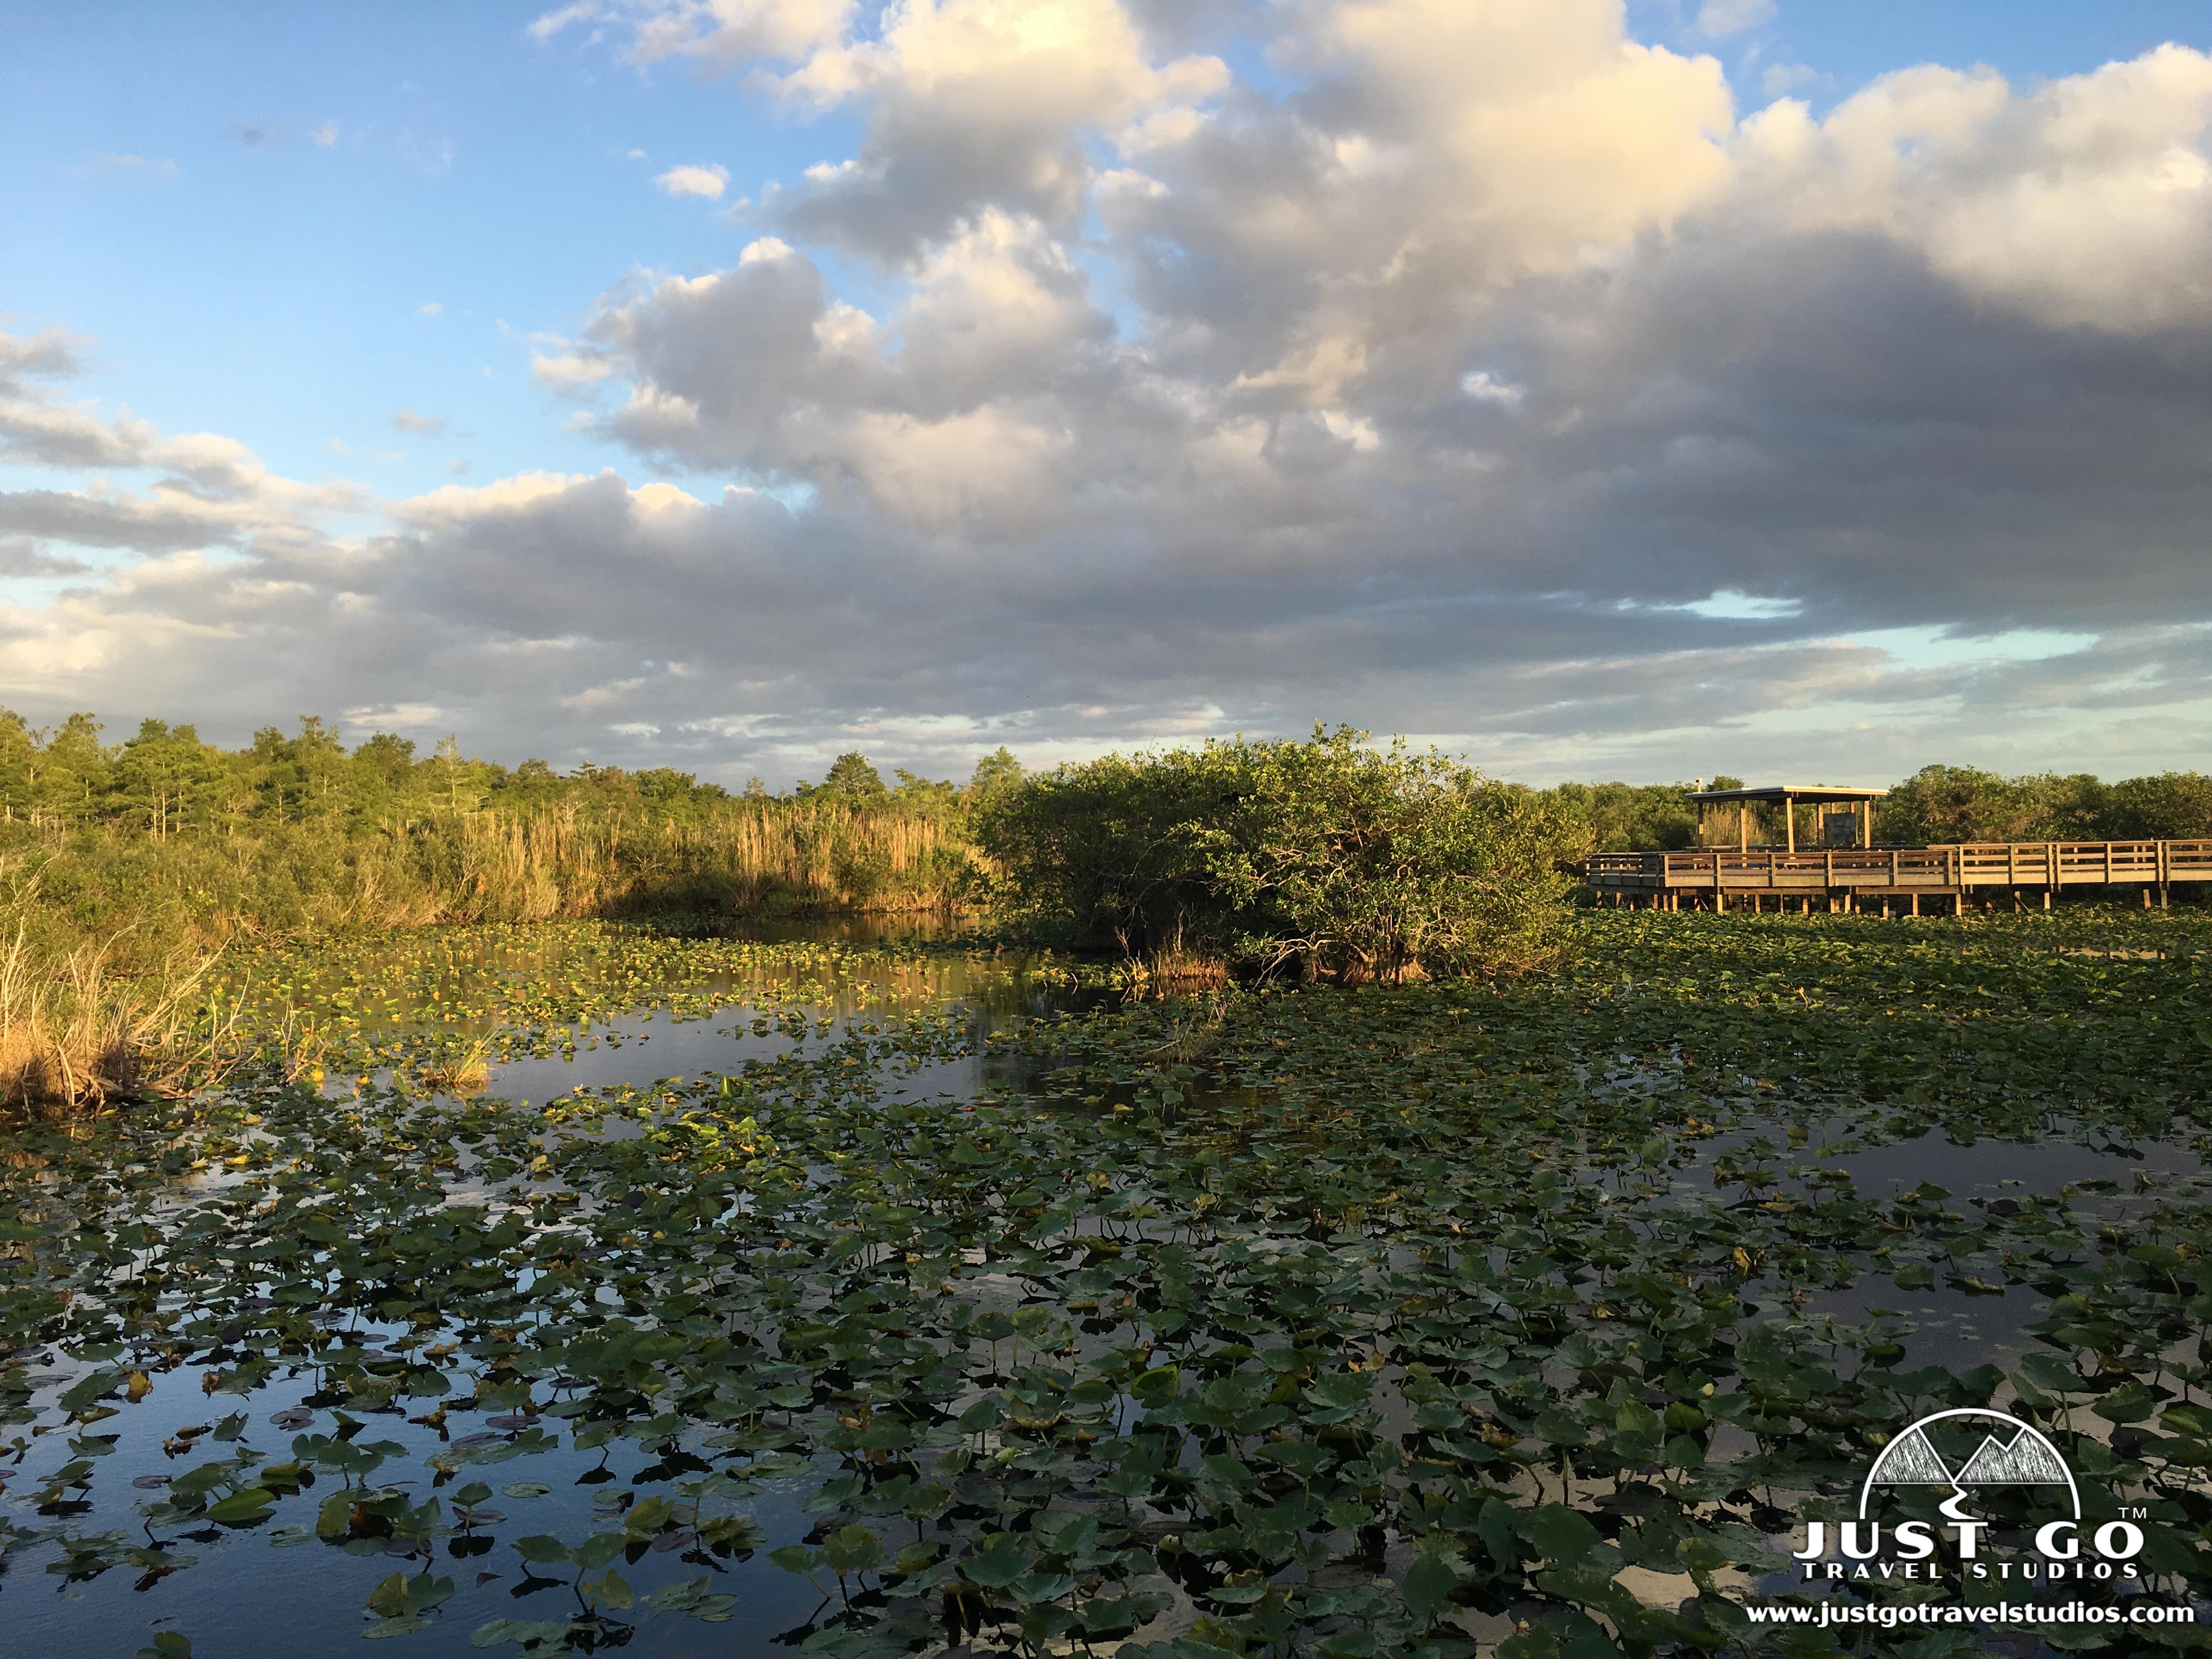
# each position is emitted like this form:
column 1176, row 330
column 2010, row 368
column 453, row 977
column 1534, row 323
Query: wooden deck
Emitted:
column 1710, row 877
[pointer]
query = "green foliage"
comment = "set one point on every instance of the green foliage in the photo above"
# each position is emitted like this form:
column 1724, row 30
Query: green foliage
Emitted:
column 997, row 770
column 2171, row 807
column 1352, row 862
column 852, row 777
column 1941, row 804
column 1622, row 818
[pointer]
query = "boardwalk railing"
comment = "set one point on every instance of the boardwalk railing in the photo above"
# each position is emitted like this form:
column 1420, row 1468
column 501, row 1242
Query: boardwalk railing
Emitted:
column 1902, row 869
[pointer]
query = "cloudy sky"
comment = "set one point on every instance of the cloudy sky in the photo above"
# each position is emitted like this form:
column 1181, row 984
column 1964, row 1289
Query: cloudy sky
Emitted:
column 1819, row 387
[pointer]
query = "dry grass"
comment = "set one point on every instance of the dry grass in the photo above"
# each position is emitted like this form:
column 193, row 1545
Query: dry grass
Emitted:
column 467, row 1071
column 75, row 1038
column 1177, row 968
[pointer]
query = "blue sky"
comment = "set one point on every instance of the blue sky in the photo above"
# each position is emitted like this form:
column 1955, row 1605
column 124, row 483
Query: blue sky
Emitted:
column 272, row 288
column 288, row 225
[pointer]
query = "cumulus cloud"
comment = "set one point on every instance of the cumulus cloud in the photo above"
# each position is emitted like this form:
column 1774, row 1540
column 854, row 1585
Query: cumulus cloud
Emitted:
column 418, row 426
column 1485, row 373
column 2086, row 202
column 979, row 103
column 705, row 181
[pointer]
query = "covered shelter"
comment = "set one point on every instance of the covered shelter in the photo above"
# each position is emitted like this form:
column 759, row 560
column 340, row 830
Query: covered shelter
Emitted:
column 1842, row 867
column 1834, row 828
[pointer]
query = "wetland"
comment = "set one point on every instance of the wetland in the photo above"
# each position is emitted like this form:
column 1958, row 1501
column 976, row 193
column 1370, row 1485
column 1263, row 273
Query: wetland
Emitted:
column 862, row 1288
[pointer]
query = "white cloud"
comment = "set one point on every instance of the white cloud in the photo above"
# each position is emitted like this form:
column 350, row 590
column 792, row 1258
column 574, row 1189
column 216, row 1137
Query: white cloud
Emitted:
column 136, row 166
column 22, row 557
column 1722, row 18
column 569, row 368
column 418, row 426
column 2086, row 202
column 430, row 308
column 704, row 181
column 1779, row 80
column 49, row 354
column 326, row 135
column 1485, row 387
column 722, row 31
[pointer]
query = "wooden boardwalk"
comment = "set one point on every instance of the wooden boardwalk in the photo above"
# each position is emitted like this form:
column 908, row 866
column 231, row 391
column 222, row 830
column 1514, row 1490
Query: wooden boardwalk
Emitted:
column 1719, row 879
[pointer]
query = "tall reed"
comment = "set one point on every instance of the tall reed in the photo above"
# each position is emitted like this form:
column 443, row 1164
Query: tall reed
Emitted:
column 75, row 1036
column 105, row 931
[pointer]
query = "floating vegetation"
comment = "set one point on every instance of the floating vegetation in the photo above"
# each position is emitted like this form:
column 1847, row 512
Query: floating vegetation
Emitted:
column 1421, row 1319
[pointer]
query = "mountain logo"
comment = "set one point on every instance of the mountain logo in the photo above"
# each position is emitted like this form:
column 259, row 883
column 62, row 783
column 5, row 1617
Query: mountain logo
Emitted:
column 2011, row 1454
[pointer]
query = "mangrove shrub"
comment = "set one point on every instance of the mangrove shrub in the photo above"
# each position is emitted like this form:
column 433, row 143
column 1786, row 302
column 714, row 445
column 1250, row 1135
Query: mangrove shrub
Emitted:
column 1342, row 860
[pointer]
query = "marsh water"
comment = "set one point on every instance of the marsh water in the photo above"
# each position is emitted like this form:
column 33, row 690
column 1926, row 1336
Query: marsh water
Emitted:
column 101, row 1558
column 251, row 1598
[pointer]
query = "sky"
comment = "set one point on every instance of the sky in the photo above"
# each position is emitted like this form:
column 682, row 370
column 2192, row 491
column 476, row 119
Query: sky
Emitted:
column 1805, row 388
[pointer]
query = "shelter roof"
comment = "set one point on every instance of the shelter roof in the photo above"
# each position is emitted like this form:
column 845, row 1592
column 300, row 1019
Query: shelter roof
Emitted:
column 1775, row 795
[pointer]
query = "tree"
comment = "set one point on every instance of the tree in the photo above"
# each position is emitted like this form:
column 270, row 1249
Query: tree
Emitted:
column 997, row 770
column 1940, row 805
column 449, row 757
column 21, row 760
column 387, row 757
column 851, row 776
column 75, row 772
column 160, row 772
column 2172, row 806
column 1619, row 817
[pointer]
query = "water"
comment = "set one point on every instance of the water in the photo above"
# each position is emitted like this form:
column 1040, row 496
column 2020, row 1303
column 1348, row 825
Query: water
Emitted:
column 246, row 1594
column 242, row 1594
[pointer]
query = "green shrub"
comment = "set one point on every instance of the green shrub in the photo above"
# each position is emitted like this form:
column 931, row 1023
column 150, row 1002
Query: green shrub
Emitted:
column 1343, row 860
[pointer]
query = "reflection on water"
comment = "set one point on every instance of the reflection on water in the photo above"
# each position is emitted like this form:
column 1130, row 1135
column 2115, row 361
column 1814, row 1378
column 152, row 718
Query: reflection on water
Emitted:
column 1941, row 1323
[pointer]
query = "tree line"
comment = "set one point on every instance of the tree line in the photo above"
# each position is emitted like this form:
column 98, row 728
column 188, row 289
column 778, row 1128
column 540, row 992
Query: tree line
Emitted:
column 166, row 780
